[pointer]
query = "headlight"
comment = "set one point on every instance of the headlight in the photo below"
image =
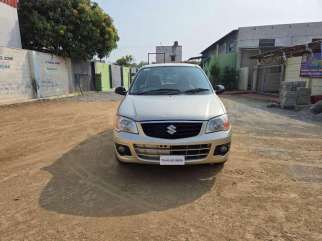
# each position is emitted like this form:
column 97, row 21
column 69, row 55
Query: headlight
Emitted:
column 220, row 123
column 126, row 125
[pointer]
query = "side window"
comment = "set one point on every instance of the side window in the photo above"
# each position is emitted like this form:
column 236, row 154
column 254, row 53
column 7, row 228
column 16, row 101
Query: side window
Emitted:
column 316, row 39
column 231, row 47
column 173, row 58
column 266, row 43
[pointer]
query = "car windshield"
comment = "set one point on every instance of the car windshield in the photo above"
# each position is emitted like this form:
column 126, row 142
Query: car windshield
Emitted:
column 171, row 80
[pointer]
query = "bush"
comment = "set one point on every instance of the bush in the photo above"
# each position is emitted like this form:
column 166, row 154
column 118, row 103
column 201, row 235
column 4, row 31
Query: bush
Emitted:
column 214, row 73
column 229, row 78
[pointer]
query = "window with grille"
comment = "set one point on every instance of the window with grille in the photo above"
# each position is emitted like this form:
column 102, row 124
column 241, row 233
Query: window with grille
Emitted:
column 266, row 43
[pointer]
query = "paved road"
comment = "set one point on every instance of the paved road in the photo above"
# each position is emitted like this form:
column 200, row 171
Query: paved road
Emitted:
column 59, row 179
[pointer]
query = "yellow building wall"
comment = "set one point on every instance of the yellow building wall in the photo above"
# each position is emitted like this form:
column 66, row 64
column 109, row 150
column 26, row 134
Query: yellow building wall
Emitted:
column 292, row 73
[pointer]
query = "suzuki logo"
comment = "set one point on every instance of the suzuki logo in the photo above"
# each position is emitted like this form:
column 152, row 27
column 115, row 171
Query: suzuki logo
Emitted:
column 171, row 129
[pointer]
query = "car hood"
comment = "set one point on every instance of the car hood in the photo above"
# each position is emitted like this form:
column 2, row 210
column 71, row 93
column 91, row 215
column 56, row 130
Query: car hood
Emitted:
column 171, row 107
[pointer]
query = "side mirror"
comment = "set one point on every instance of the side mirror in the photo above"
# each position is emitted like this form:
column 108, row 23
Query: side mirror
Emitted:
column 120, row 90
column 219, row 89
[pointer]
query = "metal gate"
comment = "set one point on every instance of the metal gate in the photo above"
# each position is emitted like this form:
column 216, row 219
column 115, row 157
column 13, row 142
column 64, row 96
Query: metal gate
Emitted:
column 83, row 82
column 269, row 78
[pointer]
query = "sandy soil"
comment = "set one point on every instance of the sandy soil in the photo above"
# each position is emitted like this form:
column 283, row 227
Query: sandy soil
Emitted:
column 59, row 179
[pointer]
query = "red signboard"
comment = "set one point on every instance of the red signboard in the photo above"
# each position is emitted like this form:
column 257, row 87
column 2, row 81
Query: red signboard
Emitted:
column 12, row 3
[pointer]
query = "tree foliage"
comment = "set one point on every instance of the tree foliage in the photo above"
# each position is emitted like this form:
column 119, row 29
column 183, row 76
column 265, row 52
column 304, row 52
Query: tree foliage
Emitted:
column 125, row 60
column 214, row 72
column 229, row 78
column 70, row 28
column 141, row 64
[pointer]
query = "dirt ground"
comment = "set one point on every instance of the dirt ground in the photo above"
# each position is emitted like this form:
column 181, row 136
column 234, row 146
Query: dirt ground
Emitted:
column 60, row 181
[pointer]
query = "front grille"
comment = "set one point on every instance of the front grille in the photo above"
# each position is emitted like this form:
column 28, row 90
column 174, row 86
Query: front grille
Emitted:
column 191, row 152
column 172, row 130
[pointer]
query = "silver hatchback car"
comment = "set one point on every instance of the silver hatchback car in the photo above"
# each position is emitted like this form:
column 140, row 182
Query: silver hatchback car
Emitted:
column 171, row 115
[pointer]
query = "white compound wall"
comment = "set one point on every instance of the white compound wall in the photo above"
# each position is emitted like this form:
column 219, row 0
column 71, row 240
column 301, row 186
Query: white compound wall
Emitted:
column 9, row 27
column 29, row 74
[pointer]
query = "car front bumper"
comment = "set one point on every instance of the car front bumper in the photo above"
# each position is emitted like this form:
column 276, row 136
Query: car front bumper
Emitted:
column 212, row 140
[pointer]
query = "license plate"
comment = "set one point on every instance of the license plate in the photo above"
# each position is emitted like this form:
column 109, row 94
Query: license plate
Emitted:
column 172, row 160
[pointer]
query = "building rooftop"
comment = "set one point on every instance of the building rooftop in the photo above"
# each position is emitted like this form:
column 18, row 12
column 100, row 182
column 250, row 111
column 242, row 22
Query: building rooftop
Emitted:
column 283, row 24
column 215, row 43
column 255, row 27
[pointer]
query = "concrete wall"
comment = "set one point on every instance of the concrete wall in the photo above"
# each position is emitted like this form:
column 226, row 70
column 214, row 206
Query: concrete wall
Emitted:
column 285, row 34
column 15, row 75
column 316, row 87
column 243, row 78
column 292, row 73
column 126, row 77
column 52, row 74
column 103, row 82
column 9, row 27
column 243, row 60
column 116, row 75
column 293, row 69
column 112, row 76
column 30, row 74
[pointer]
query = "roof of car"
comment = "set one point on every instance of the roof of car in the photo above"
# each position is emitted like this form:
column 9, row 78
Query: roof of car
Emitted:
column 170, row 65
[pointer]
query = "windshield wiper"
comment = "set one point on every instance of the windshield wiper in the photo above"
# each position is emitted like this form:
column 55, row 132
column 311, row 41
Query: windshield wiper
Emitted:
column 197, row 90
column 159, row 91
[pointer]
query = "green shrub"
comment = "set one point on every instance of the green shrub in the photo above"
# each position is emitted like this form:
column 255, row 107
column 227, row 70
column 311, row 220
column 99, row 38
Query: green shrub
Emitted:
column 229, row 78
column 217, row 74
column 213, row 72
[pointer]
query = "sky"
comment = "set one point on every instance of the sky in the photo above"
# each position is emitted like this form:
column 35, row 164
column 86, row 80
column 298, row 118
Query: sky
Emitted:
column 196, row 24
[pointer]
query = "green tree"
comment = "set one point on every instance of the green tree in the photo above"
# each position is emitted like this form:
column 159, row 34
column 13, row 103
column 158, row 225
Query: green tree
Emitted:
column 69, row 28
column 141, row 64
column 214, row 72
column 125, row 60
column 229, row 78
